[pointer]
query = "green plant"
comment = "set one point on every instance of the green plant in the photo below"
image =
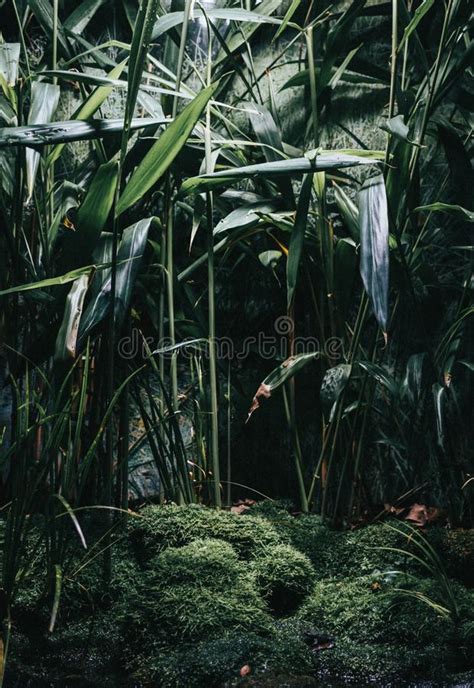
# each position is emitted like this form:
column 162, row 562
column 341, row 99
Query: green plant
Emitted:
column 284, row 576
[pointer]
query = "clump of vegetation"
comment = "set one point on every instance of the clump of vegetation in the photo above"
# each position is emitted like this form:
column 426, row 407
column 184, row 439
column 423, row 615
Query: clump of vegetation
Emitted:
column 284, row 576
column 369, row 612
column 159, row 527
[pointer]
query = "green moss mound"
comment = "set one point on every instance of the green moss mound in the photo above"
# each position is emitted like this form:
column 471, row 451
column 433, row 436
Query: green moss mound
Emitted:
column 366, row 615
column 284, row 576
column 198, row 590
column 159, row 527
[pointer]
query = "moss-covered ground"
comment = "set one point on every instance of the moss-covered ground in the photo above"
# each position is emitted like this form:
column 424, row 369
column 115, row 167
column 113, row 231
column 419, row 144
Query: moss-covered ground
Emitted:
column 205, row 598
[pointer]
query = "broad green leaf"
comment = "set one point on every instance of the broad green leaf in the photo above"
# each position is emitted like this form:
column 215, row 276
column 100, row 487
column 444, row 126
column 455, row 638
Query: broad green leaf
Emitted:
column 295, row 248
column 9, row 60
column 458, row 210
column 93, row 212
column 374, row 249
column 425, row 6
column 129, row 255
column 164, row 151
column 324, row 161
column 71, row 130
column 245, row 216
column 279, row 376
column 43, row 104
column 67, row 335
column 379, row 373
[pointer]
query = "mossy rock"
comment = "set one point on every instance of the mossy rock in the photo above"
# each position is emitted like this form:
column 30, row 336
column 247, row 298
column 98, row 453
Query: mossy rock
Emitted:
column 284, row 577
column 378, row 611
column 198, row 590
column 159, row 527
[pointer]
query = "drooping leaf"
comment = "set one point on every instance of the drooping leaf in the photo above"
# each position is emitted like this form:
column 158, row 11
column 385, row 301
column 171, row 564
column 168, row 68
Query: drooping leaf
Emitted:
column 269, row 259
column 374, row 247
column 397, row 127
column 164, row 151
column 71, row 130
column 44, row 101
column 324, row 161
column 380, row 374
column 52, row 281
column 246, row 215
column 295, row 248
column 129, row 255
column 457, row 210
column 280, row 375
column 171, row 19
column 67, row 335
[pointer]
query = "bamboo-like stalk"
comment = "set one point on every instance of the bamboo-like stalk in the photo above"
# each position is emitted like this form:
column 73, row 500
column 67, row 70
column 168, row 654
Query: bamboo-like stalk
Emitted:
column 214, row 439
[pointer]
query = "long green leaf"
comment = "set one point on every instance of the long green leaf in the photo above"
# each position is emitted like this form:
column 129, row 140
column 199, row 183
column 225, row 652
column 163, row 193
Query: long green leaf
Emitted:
column 164, row 151
column 95, row 209
column 457, row 210
column 70, row 130
column 425, row 6
column 324, row 161
column 171, row 19
column 51, row 281
column 374, row 248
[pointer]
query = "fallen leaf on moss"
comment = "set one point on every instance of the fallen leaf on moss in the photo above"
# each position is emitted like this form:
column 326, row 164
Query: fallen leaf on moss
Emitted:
column 245, row 670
